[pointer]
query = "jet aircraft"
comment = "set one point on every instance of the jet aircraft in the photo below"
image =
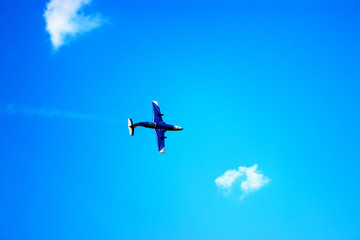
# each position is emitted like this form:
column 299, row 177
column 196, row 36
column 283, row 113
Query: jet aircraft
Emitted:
column 159, row 126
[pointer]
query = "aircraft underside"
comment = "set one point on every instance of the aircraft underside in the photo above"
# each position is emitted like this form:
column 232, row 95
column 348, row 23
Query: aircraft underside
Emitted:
column 159, row 126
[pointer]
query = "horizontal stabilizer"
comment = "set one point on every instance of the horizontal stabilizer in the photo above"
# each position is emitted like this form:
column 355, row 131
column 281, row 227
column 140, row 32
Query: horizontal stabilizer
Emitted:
column 131, row 127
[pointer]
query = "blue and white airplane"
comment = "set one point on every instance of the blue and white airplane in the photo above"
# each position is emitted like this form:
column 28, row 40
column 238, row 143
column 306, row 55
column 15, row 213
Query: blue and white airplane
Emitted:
column 159, row 126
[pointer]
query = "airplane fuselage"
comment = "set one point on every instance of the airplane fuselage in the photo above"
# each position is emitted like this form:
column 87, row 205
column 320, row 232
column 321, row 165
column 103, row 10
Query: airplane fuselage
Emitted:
column 158, row 125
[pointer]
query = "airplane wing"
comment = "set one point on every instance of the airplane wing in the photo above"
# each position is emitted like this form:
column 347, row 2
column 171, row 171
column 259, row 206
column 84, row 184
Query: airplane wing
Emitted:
column 160, row 138
column 157, row 114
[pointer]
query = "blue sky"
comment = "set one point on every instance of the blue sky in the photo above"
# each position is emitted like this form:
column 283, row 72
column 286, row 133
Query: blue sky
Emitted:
column 271, row 83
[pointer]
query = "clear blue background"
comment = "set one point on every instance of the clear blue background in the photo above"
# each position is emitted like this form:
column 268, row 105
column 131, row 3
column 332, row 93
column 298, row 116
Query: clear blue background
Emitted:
column 269, row 82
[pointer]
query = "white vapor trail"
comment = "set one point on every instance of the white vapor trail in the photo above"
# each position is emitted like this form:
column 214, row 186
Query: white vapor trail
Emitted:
column 51, row 112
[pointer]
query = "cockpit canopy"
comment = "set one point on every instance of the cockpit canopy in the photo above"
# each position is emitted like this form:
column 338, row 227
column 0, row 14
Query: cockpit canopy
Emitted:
column 151, row 124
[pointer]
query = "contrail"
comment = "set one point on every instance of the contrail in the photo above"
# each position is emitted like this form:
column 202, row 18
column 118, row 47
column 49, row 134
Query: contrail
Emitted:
column 51, row 112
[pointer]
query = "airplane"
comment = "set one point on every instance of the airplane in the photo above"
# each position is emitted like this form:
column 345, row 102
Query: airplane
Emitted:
column 159, row 126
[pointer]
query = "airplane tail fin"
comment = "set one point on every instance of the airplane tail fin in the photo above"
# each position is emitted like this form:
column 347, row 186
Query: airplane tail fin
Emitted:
column 131, row 127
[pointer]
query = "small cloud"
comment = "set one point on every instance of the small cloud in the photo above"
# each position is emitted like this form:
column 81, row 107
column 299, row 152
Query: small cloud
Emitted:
column 226, row 180
column 65, row 21
column 248, row 179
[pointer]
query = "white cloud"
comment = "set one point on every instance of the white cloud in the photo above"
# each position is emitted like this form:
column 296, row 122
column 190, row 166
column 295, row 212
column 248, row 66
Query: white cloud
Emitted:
column 65, row 21
column 226, row 180
column 248, row 179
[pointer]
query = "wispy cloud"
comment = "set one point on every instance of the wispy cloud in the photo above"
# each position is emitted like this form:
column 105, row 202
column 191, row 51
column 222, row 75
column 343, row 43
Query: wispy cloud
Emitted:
column 64, row 20
column 50, row 112
column 247, row 179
